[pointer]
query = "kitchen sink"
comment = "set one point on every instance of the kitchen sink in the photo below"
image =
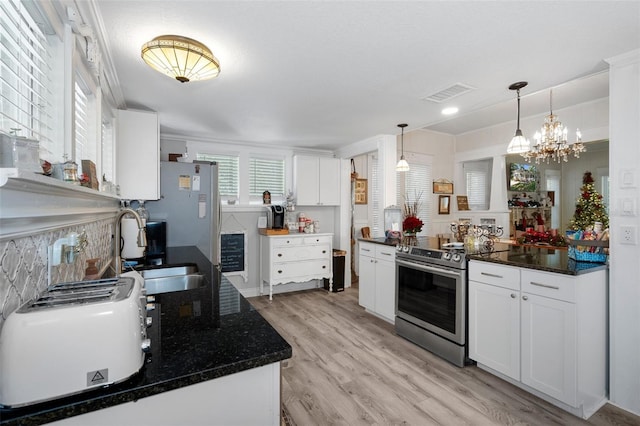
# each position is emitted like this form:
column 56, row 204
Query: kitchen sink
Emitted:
column 172, row 278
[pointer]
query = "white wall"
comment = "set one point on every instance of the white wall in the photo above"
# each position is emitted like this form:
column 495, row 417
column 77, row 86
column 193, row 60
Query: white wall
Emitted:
column 624, row 281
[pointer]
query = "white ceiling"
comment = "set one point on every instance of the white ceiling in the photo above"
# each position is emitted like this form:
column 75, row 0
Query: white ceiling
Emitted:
column 323, row 74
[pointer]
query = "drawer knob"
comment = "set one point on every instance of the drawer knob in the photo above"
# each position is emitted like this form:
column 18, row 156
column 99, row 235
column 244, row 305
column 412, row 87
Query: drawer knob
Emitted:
column 525, row 298
column 324, row 266
column 513, row 295
column 279, row 254
column 324, row 251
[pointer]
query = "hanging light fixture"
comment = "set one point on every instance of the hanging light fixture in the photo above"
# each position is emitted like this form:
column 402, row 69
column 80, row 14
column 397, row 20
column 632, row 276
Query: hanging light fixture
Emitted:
column 551, row 141
column 519, row 144
column 402, row 165
column 181, row 58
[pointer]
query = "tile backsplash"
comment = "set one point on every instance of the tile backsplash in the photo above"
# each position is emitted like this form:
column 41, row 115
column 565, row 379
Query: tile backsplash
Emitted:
column 23, row 262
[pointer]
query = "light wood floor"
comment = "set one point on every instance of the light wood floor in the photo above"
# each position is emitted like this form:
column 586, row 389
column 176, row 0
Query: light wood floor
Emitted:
column 350, row 368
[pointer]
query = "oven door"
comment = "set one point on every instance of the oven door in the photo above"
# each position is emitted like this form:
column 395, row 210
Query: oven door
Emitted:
column 432, row 297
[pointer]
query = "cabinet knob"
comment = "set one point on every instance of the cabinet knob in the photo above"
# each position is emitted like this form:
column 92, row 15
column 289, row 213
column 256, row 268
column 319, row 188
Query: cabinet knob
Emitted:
column 525, row 298
column 324, row 251
column 279, row 254
column 280, row 271
column 513, row 295
column 324, row 266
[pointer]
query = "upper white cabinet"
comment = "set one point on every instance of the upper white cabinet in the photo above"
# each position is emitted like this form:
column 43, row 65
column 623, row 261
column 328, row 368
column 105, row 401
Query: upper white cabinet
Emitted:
column 138, row 155
column 316, row 180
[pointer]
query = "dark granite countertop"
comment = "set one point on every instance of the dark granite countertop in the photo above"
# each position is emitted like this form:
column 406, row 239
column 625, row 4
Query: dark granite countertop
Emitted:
column 196, row 335
column 541, row 259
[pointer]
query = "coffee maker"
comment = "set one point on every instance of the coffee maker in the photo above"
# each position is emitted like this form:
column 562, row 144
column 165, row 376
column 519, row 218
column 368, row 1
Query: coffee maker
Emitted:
column 275, row 217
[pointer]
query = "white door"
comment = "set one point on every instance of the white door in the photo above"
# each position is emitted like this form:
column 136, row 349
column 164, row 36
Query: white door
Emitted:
column 306, row 180
column 548, row 335
column 494, row 328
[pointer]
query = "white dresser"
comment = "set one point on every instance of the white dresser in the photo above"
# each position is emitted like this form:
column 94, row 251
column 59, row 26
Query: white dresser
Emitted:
column 295, row 258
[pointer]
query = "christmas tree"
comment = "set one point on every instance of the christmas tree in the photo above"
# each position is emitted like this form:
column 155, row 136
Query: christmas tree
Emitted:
column 589, row 207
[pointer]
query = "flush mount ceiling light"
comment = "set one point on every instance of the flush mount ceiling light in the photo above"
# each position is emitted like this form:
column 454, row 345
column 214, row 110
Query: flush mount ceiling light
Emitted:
column 402, row 165
column 519, row 144
column 181, row 58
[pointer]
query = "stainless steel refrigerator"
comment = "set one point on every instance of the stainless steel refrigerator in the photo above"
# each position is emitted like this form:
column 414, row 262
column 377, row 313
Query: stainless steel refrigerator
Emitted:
column 190, row 205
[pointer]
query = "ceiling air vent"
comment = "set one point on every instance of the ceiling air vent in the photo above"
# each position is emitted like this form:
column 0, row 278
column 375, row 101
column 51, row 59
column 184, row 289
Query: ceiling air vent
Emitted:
column 449, row 93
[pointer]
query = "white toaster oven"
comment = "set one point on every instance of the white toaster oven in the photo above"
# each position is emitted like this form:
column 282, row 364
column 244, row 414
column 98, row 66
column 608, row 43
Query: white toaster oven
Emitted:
column 74, row 337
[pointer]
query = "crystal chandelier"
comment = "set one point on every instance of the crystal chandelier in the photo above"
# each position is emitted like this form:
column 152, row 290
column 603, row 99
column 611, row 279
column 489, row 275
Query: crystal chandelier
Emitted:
column 551, row 141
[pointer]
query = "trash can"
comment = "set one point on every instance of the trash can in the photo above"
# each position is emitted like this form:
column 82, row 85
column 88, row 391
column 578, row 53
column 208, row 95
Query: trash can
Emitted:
column 338, row 271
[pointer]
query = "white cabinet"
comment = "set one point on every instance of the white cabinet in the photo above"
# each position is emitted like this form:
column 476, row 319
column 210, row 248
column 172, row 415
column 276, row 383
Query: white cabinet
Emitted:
column 295, row 258
column 545, row 332
column 377, row 281
column 316, row 180
column 138, row 155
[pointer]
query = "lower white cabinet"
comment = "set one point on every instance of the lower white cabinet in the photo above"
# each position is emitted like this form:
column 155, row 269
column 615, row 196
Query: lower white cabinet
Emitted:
column 295, row 258
column 545, row 332
column 377, row 281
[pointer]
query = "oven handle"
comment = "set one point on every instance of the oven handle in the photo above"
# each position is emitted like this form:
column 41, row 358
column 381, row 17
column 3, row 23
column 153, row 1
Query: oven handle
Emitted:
column 433, row 269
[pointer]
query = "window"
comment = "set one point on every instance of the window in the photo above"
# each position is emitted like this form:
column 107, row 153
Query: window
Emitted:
column 25, row 77
column 228, row 183
column 477, row 178
column 374, row 190
column 411, row 188
column 266, row 175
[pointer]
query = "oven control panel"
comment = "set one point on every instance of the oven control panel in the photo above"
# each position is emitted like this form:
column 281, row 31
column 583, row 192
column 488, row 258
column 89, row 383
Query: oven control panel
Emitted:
column 451, row 258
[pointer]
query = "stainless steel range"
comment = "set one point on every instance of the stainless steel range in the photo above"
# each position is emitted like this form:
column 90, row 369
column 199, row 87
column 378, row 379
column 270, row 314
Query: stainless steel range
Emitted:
column 431, row 300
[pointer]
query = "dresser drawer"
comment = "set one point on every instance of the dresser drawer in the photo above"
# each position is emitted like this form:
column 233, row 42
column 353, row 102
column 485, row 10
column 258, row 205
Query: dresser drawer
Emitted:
column 324, row 239
column 312, row 269
column 286, row 241
column 555, row 286
column 494, row 274
column 304, row 252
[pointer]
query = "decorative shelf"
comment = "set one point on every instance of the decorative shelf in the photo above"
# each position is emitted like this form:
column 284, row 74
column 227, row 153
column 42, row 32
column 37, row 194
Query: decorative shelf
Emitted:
column 32, row 203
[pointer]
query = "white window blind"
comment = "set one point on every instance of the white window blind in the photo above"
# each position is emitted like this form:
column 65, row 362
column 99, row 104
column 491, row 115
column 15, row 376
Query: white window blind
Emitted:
column 81, row 133
column 25, row 81
column 227, row 173
column 414, row 186
column 266, row 175
column 107, row 151
column 477, row 176
column 374, row 191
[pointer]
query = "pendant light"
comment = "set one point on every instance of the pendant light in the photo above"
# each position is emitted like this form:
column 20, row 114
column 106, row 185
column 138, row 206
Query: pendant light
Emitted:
column 402, row 165
column 519, row 143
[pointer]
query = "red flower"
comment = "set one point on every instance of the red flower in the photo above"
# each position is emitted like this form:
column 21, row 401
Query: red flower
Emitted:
column 412, row 224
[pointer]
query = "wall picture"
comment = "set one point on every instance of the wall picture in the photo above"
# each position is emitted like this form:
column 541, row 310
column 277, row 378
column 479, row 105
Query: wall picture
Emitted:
column 443, row 204
column 442, row 186
column 463, row 202
column 361, row 191
column 523, row 177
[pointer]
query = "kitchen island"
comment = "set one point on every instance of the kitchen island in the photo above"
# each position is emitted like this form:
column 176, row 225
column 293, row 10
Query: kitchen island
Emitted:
column 209, row 349
column 538, row 319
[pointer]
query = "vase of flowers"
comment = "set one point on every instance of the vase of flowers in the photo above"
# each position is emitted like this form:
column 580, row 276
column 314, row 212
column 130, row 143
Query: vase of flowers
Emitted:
column 411, row 225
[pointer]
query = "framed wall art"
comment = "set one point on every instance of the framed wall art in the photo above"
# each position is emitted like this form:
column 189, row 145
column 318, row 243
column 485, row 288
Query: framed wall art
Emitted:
column 443, row 204
column 442, row 186
column 463, row 202
column 361, row 191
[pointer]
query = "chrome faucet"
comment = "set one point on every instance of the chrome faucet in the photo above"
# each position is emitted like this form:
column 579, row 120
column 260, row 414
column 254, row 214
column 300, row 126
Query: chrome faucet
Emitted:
column 142, row 237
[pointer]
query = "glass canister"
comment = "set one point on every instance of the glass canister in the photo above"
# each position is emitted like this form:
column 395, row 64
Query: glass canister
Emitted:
column 70, row 172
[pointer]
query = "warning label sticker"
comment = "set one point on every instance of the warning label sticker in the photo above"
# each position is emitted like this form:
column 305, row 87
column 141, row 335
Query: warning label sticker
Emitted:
column 97, row 377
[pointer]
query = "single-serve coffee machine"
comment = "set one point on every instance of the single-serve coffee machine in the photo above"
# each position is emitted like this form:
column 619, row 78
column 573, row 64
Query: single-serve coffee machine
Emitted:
column 275, row 217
